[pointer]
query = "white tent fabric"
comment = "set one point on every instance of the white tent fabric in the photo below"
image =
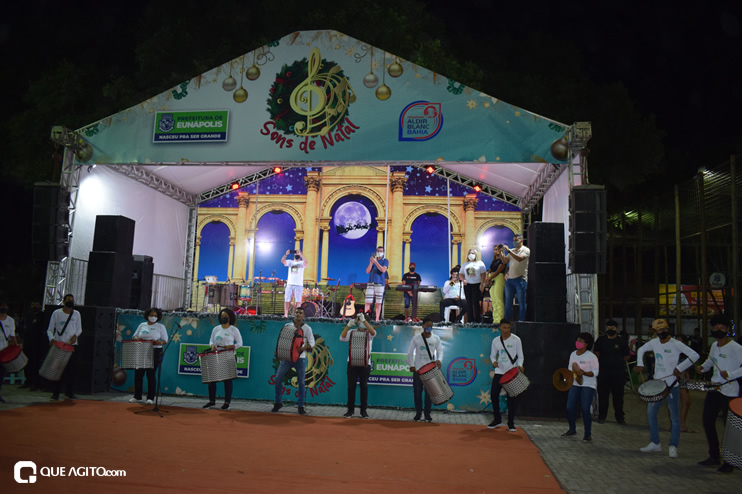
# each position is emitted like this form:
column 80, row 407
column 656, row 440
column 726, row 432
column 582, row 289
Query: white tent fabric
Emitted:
column 556, row 207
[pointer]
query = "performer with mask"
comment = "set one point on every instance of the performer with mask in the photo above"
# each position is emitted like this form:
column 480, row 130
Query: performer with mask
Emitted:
column 376, row 268
column 65, row 326
column 613, row 353
column 151, row 330
column 300, row 365
column 226, row 336
column 424, row 348
column 453, row 294
column 410, row 278
column 295, row 280
column 7, row 337
column 473, row 273
column 358, row 374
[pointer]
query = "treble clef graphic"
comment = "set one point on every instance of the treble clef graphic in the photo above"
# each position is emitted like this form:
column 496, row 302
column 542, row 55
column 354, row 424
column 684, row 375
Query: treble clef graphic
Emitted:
column 308, row 98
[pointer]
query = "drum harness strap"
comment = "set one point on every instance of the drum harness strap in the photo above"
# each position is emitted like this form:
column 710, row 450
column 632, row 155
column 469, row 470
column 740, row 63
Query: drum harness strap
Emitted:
column 3, row 330
column 65, row 325
column 512, row 360
column 425, row 340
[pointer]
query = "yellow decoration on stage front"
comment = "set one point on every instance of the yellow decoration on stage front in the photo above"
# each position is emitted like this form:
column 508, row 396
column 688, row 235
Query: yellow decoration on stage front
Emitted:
column 324, row 104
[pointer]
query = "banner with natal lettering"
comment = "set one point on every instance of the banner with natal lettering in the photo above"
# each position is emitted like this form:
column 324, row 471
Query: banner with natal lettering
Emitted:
column 466, row 363
column 320, row 96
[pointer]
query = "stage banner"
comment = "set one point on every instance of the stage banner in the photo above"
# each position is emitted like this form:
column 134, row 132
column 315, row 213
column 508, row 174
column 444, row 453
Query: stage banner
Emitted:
column 190, row 364
column 466, row 363
column 690, row 300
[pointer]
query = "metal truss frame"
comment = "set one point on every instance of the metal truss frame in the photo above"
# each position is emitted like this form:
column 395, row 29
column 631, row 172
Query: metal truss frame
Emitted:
column 154, row 182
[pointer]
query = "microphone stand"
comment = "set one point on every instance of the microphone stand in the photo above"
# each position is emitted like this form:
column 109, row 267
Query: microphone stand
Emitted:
column 158, row 394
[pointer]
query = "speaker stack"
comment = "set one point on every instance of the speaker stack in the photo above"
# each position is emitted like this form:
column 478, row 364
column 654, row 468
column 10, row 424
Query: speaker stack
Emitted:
column 587, row 228
column 49, row 231
column 547, row 274
column 141, row 282
column 110, row 263
column 546, row 348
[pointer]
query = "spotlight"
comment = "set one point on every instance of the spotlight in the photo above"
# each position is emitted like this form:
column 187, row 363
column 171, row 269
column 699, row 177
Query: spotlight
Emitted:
column 430, row 169
column 235, row 186
column 477, row 188
column 277, row 170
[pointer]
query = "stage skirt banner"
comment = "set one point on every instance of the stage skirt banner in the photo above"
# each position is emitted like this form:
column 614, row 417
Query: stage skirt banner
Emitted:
column 466, row 363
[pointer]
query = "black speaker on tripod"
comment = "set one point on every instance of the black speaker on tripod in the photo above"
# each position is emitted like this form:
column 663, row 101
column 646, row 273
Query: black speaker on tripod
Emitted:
column 587, row 229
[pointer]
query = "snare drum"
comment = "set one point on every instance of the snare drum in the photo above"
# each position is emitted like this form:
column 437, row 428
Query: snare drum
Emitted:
column 696, row 385
column 290, row 342
column 137, row 354
column 56, row 361
column 435, row 383
column 653, row 390
column 13, row 359
column 514, row 382
column 731, row 447
column 218, row 366
column 311, row 309
column 358, row 348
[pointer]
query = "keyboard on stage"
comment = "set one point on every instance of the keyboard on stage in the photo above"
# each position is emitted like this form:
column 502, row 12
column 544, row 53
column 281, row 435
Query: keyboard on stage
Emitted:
column 420, row 288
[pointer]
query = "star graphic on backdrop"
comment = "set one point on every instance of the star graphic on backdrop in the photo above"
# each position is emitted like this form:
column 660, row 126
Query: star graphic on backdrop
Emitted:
column 486, row 104
column 494, row 329
column 481, row 355
column 428, row 188
column 517, row 114
column 390, row 337
column 484, row 397
column 497, row 159
column 409, row 169
column 471, row 104
column 289, row 187
column 175, row 338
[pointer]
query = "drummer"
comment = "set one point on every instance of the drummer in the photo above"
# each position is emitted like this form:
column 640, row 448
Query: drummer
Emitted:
column 506, row 353
column 226, row 336
column 667, row 353
column 585, row 366
column 150, row 330
column 295, row 280
column 356, row 374
column 65, row 326
column 300, row 365
column 420, row 354
column 7, row 325
column 725, row 358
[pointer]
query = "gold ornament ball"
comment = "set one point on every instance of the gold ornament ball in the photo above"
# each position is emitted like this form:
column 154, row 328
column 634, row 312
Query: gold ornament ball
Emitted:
column 395, row 70
column 229, row 84
column 119, row 377
column 383, row 92
column 559, row 149
column 84, row 153
column 371, row 80
column 240, row 95
column 253, row 73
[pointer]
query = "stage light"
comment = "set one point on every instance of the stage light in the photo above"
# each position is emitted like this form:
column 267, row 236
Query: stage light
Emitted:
column 477, row 188
column 277, row 170
column 430, row 169
column 235, row 186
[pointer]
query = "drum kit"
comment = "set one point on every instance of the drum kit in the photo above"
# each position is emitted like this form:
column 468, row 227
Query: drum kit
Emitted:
column 317, row 303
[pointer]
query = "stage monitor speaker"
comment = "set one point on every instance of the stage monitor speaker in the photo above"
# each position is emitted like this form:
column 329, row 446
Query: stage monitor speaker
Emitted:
column 142, row 274
column 546, row 348
column 546, row 242
column 49, row 227
column 588, row 228
column 114, row 234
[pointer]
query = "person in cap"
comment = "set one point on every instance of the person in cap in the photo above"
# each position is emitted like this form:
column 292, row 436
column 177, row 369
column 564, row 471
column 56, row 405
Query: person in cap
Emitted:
column 667, row 367
column 506, row 353
column 410, row 278
column 613, row 353
column 425, row 347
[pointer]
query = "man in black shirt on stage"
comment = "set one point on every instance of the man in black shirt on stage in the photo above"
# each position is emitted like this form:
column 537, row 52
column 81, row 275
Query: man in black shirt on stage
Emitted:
column 410, row 278
column 612, row 353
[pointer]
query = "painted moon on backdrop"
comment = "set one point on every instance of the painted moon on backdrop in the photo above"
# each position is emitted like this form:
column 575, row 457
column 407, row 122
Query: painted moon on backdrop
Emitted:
column 352, row 220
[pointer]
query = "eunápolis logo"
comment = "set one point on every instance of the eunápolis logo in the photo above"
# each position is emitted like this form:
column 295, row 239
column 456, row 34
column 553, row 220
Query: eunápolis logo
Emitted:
column 191, row 126
column 390, row 368
column 189, row 363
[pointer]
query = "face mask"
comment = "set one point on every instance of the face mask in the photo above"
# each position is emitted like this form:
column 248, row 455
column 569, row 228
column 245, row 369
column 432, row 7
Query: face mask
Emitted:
column 412, row 269
column 662, row 335
column 428, row 329
column 580, row 345
column 224, row 320
column 69, row 305
column 297, row 257
column 718, row 334
column 472, row 257
column 611, row 332
column 152, row 318
column 379, row 255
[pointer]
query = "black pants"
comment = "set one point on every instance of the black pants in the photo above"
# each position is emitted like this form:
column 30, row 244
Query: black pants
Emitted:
column 446, row 302
column 512, row 402
column 714, row 403
column 227, row 391
column 35, row 353
column 68, row 376
column 611, row 385
column 473, row 297
column 354, row 375
column 151, row 377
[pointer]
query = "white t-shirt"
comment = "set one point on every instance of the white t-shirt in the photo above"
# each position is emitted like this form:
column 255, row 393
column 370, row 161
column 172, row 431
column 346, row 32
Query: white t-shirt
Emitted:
column 473, row 271
column 147, row 331
column 499, row 355
column 221, row 337
column 370, row 343
column 9, row 328
column 666, row 357
column 296, row 272
column 588, row 362
column 728, row 358
column 308, row 336
column 519, row 269
column 457, row 290
column 417, row 354
column 57, row 322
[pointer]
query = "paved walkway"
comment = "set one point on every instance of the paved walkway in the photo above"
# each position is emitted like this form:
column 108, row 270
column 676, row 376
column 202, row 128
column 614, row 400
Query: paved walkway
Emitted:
column 611, row 463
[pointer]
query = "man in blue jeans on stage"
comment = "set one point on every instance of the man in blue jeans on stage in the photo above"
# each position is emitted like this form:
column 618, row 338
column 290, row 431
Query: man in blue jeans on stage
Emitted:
column 300, row 365
column 517, row 282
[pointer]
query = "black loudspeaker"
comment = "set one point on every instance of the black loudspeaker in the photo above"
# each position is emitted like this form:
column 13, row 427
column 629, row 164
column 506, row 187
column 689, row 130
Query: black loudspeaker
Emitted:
column 587, row 229
column 108, row 280
column 546, row 348
column 142, row 274
column 546, row 241
column 114, row 234
column 547, row 292
column 49, row 229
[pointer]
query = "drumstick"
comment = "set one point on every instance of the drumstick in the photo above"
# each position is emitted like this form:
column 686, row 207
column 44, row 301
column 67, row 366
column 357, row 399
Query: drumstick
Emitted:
column 719, row 369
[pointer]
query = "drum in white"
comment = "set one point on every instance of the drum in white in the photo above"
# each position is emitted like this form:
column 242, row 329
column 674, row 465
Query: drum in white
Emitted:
column 13, row 359
column 358, row 348
column 514, row 382
column 218, row 366
column 731, row 447
column 289, row 344
column 137, row 354
column 435, row 383
column 56, row 361
column 653, row 390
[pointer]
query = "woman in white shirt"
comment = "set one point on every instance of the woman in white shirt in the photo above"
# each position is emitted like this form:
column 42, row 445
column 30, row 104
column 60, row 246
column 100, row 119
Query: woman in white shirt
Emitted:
column 584, row 365
column 472, row 272
column 226, row 336
column 150, row 330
